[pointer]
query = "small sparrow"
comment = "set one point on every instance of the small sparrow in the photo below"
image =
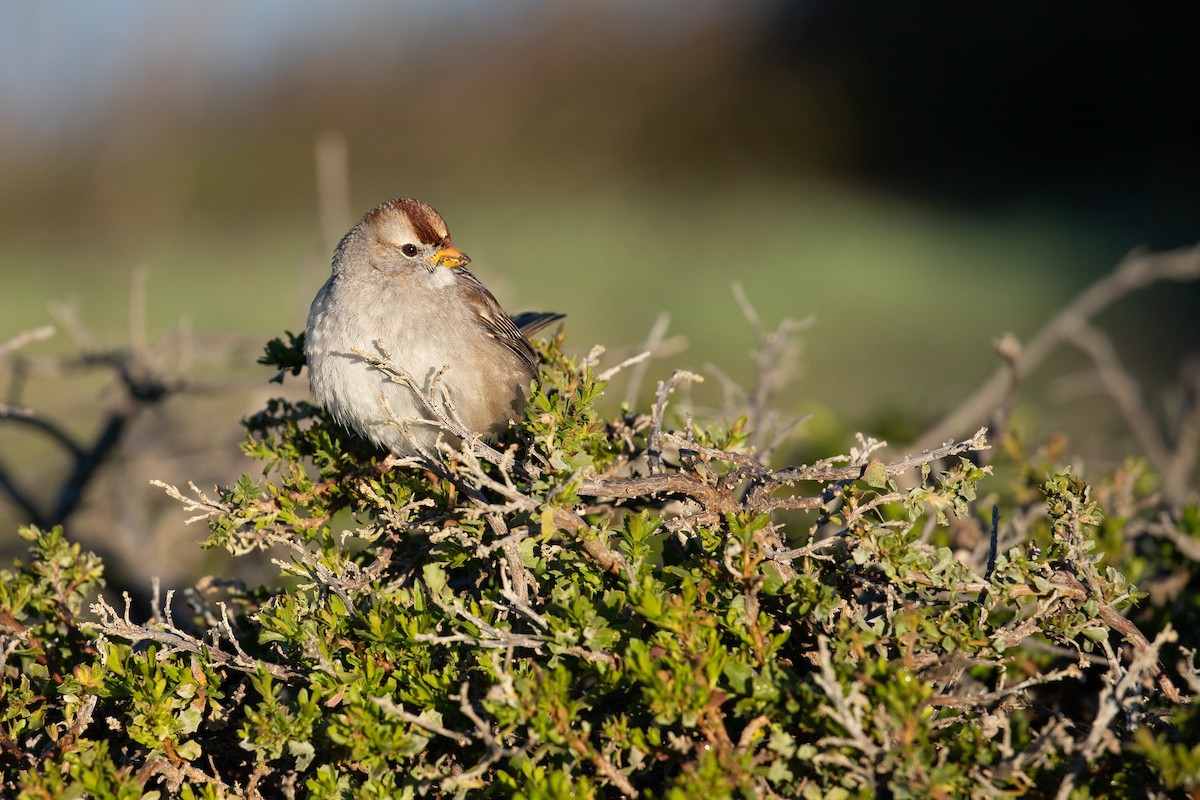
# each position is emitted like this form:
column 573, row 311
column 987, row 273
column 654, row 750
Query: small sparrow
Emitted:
column 400, row 289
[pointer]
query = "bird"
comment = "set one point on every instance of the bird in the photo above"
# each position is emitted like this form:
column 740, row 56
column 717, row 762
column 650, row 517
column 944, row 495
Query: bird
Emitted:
column 401, row 293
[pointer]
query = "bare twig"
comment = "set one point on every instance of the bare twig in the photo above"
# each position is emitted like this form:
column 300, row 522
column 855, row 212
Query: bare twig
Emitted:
column 1137, row 271
column 1112, row 702
column 658, row 332
column 989, row 698
column 774, row 363
column 1123, row 389
column 719, row 497
column 111, row 623
column 421, row 721
column 25, row 338
column 636, row 360
column 83, row 718
column 654, row 448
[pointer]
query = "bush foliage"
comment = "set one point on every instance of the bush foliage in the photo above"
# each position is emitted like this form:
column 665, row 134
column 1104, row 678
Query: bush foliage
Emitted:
column 625, row 605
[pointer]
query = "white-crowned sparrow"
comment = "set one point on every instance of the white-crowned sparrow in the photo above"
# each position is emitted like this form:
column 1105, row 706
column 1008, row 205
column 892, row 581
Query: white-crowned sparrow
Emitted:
column 399, row 287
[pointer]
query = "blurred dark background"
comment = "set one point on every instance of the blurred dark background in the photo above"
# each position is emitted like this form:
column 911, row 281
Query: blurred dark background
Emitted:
column 921, row 176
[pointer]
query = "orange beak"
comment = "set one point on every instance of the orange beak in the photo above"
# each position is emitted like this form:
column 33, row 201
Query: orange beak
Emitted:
column 450, row 256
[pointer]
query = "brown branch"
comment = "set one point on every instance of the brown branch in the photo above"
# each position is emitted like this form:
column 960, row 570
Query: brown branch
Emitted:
column 750, row 731
column 826, row 472
column 719, row 498
column 605, row 557
column 83, row 718
column 760, row 498
column 1141, row 645
column 672, row 483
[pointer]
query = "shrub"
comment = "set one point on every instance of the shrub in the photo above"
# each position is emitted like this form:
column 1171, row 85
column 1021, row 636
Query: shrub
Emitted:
column 615, row 606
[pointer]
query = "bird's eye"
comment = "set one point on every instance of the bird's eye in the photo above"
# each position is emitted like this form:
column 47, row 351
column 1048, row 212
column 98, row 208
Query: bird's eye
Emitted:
column 409, row 250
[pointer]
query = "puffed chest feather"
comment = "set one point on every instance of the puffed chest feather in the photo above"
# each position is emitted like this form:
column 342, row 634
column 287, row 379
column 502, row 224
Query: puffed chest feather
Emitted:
column 425, row 330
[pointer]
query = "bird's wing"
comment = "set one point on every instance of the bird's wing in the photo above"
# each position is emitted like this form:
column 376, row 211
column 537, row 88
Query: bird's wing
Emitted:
column 495, row 321
column 530, row 322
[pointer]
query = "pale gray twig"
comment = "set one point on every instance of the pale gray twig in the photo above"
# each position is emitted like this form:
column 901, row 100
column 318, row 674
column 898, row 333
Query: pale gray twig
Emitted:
column 658, row 332
column 111, row 623
column 422, row 720
column 1115, row 699
column 25, row 338
column 654, row 448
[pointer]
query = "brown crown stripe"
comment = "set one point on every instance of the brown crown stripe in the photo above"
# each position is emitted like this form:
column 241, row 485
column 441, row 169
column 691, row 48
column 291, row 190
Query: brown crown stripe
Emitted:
column 426, row 222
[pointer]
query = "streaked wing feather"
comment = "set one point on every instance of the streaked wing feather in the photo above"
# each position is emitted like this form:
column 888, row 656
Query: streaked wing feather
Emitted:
column 495, row 321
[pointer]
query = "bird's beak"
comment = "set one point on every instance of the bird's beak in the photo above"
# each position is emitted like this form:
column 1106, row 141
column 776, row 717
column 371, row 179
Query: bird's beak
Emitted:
column 450, row 256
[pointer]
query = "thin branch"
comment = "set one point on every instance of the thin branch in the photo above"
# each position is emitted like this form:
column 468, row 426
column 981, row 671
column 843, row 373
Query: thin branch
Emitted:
column 111, row 623
column 654, row 447
column 1124, row 391
column 1112, row 702
column 826, row 473
column 638, row 360
column 773, row 361
column 720, row 499
column 991, row 698
column 1136, row 271
column 658, row 332
column 439, row 409
column 26, row 337
column 390, row 706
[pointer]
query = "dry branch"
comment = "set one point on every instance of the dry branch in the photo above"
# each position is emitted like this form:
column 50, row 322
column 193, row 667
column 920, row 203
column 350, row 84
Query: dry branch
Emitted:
column 1136, row 271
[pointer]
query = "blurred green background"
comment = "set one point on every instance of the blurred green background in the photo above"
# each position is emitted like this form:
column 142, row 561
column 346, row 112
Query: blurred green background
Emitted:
column 921, row 177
